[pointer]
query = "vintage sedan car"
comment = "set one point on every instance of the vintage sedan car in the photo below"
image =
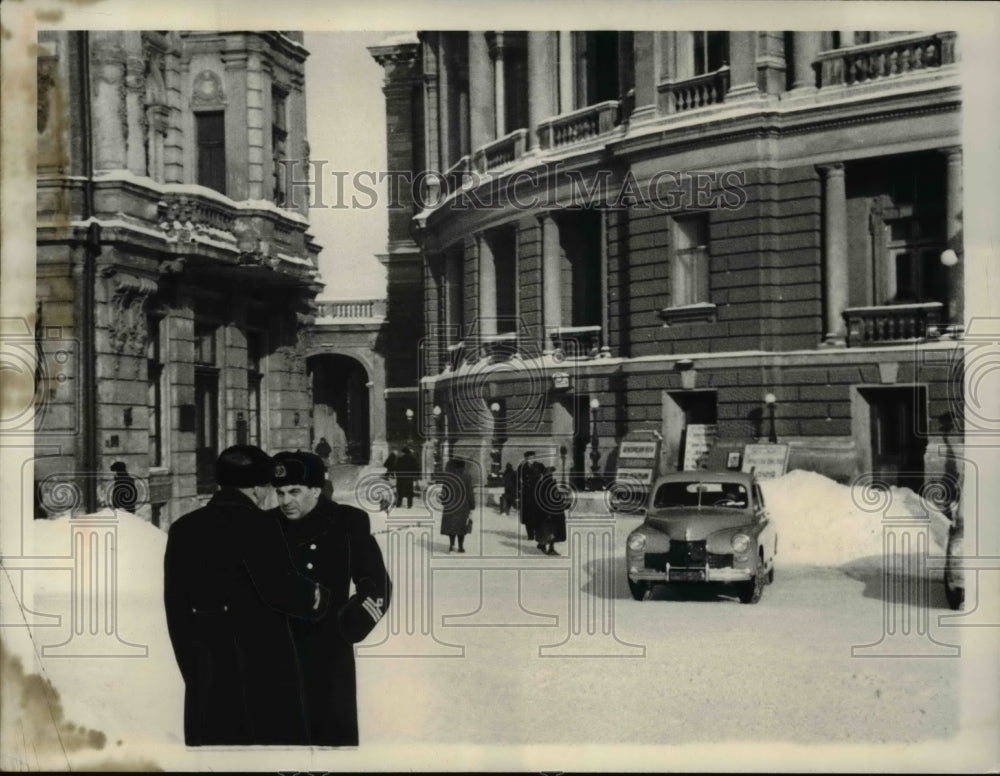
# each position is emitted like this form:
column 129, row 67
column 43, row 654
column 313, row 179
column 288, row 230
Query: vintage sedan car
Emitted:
column 704, row 526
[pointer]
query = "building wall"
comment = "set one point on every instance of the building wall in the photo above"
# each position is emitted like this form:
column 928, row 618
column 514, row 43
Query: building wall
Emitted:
column 121, row 212
column 784, row 144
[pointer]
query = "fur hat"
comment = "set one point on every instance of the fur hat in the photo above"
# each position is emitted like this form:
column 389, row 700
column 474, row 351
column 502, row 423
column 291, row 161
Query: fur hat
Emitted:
column 243, row 466
column 298, row 468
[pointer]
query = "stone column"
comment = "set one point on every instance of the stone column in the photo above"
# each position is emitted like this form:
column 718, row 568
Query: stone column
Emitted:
column 487, row 287
column 835, row 251
column 135, row 95
column 444, row 97
column 108, row 109
column 770, row 62
column 499, row 85
column 481, row 119
column 806, row 48
column 540, row 82
column 742, row 64
column 565, row 71
column 551, row 280
column 953, row 234
column 647, row 72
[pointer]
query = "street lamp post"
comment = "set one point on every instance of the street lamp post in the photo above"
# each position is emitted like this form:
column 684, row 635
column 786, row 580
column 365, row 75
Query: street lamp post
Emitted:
column 770, row 401
column 595, row 453
column 495, row 443
column 436, row 412
column 409, row 426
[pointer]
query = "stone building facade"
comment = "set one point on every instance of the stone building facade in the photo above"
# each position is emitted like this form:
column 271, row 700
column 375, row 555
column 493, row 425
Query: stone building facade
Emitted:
column 757, row 235
column 175, row 271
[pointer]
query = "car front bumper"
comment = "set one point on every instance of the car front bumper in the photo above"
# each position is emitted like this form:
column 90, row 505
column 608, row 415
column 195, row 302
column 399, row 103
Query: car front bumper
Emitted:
column 691, row 574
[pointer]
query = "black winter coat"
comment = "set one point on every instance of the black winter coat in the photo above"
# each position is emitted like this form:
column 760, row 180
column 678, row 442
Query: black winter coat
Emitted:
column 228, row 584
column 333, row 545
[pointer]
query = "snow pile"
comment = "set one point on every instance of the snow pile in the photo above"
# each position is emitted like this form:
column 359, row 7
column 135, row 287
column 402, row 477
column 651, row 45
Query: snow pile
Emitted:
column 821, row 522
column 89, row 696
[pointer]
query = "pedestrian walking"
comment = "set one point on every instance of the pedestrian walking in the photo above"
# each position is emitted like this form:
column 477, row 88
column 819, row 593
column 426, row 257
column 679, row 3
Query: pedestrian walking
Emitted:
column 552, row 526
column 509, row 497
column 123, row 494
column 458, row 501
column 228, row 584
column 323, row 450
column 407, row 471
column 331, row 544
column 529, row 473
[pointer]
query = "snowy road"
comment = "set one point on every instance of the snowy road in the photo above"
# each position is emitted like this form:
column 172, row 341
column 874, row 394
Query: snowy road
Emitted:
column 503, row 648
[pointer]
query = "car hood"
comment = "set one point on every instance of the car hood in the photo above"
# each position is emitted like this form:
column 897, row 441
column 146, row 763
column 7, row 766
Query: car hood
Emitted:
column 698, row 524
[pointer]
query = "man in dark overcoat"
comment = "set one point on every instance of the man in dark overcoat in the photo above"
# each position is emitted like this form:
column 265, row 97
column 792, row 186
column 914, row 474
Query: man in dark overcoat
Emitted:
column 332, row 544
column 407, row 471
column 529, row 473
column 228, row 584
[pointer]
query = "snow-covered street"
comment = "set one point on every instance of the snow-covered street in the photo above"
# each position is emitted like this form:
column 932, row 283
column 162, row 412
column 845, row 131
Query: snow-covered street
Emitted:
column 504, row 648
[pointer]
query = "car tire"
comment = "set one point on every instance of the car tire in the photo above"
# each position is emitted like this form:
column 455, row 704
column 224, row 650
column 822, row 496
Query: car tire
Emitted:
column 770, row 574
column 638, row 590
column 751, row 590
column 953, row 594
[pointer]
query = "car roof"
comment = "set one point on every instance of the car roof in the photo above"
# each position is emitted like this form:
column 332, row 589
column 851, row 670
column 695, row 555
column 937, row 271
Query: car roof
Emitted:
column 706, row 475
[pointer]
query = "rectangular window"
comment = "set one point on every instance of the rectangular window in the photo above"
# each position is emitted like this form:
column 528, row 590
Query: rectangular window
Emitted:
column 155, row 376
column 210, row 130
column 710, row 51
column 279, row 143
column 689, row 268
column 503, row 244
column 206, row 399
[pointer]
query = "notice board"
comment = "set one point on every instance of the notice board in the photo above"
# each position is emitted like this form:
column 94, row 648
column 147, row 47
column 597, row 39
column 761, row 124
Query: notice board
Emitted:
column 765, row 461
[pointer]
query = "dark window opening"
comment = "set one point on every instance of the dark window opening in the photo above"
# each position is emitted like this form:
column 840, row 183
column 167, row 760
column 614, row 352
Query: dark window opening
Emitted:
column 279, row 144
column 211, row 138
column 503, row 244
column 711, row 51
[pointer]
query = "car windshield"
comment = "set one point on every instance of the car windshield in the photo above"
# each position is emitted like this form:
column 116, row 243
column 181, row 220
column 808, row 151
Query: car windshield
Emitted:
column 701, row 494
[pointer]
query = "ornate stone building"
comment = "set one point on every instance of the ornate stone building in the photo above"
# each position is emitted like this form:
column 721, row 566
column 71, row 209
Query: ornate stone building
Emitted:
column 749, row 234
column 175, row 270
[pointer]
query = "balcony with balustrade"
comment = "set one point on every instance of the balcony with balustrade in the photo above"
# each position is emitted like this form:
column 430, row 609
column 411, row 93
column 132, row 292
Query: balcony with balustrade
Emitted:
column 886, row 60
column 893, row 324
column 701, row 91
column 579, row 126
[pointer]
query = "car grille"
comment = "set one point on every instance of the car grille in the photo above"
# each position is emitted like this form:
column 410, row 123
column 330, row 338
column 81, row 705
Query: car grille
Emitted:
column 687, row 554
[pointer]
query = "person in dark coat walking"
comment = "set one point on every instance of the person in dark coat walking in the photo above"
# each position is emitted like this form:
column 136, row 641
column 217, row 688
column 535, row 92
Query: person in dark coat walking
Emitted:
column 552, row 502
column 509, row 490
column 332, row 544
column 407, row 471
column 458, row 501
column 529, row 472
column 123, row 494
column 228, row 584
column 323, row 450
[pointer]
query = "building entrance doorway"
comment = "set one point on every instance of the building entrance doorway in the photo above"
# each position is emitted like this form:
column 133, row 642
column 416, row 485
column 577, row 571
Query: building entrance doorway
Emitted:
column 896, row 425
column 341, row 407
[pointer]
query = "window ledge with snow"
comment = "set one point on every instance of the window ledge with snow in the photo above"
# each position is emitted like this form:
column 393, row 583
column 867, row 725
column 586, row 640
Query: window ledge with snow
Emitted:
column 689, row 313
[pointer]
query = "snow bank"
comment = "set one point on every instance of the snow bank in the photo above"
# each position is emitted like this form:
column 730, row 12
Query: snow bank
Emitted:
column 824, row 523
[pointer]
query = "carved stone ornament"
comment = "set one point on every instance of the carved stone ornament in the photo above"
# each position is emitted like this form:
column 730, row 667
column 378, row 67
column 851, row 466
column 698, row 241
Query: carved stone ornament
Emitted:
column 207, row 89
column 127, row 316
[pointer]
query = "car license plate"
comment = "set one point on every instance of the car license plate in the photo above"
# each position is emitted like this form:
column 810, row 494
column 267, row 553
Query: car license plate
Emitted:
column 687, row 575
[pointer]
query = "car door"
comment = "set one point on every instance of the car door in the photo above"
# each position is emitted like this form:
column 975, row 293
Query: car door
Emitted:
column 768, row 538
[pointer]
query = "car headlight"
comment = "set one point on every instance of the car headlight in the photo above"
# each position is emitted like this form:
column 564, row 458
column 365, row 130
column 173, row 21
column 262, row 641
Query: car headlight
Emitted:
column 636, row 542
column 741, row 543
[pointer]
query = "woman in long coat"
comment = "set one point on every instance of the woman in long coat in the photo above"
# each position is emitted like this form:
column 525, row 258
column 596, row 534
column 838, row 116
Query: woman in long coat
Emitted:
column 458, row 501
column 552, row 526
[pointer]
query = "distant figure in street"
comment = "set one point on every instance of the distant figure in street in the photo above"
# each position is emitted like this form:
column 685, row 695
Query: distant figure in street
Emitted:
column 458, row 501
column 509, row 497
column 407, row 470
column 391, row 462
column 331, row 544
column 552, row 526
column 228, row 584
column 123, row 494
column 323, row 450
column 529, row 473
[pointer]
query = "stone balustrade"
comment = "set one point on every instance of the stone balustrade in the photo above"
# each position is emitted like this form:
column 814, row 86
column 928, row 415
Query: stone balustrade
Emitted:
column 502, row 151
column 891, row 324
column 883, row 59
column 352, row 309
column 692, row 93
column 580, row 125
